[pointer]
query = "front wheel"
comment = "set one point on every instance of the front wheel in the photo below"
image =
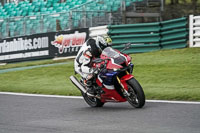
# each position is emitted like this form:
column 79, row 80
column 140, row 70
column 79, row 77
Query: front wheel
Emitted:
column 92, row 101
column 136, row 94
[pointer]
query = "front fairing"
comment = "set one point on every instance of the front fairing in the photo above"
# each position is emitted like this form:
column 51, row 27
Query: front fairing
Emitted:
column 117, row 60
column 118, row 65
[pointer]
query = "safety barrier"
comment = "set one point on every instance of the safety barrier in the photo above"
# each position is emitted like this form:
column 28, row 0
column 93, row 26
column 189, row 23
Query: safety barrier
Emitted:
column 150, row 36
column 194, row 36
column 174, row 33
column 95, row 31
column 144, row 37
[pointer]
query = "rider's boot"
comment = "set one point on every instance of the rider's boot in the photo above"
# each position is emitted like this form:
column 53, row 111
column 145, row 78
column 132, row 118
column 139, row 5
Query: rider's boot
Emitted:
column 89, row 87
column 99, row 90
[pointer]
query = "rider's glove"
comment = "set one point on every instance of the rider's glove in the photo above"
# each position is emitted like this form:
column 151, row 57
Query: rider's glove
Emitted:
column 94, row 70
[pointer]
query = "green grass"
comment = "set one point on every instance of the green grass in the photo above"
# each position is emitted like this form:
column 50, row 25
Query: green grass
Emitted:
column 173, row 74
column 168, row 74
column 44, row 80
column 31, row 63
column 181, row 1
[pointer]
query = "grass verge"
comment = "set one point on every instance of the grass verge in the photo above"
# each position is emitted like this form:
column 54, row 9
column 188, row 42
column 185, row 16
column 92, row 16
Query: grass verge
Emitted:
column 168, row 75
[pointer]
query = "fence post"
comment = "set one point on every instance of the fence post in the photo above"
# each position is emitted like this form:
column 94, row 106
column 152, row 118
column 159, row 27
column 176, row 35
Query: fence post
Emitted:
column 42, row 23
column 84, row 17
column 162, row 5
column 123, row 11
column 24, row 26
column 191, row 23
column 1, row 36
column 110, row 18
column 8, row 27
column 70, row 20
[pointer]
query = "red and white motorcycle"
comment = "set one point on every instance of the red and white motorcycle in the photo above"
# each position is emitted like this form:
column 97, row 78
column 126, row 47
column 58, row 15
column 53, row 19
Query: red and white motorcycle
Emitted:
column 114, row 81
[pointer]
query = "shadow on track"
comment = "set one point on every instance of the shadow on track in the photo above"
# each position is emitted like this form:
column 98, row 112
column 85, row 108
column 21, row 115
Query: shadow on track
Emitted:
column 116, row 107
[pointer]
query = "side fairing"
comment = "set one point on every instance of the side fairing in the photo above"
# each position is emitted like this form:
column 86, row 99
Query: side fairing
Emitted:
column 107, row 79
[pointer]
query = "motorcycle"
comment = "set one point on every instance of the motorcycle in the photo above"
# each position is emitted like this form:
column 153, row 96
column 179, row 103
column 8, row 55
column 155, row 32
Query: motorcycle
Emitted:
column 114, row 81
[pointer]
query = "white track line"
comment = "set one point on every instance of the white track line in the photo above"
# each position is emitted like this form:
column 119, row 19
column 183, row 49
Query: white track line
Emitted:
column 39, row 95
column 177, row 102
column 79, row 97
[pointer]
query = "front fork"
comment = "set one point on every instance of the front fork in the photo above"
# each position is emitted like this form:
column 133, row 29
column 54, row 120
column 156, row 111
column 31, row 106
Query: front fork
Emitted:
column 123, row 83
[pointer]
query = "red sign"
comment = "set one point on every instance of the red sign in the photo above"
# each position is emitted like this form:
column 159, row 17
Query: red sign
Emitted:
column 65, row 41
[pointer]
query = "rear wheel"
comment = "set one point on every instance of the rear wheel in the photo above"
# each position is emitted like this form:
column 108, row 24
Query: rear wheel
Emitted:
column 136, row 94
column 92, row 101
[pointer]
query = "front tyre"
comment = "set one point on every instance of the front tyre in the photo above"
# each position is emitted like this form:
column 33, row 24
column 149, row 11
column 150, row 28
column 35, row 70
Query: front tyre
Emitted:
column 136, row 94
column 92, row 101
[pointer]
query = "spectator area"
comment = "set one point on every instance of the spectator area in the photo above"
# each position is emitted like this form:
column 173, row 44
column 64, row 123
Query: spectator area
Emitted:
column 41, row 16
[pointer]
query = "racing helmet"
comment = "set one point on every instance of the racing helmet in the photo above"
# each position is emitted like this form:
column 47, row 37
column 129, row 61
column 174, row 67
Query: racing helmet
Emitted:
column 108, row 40
column 101, row 43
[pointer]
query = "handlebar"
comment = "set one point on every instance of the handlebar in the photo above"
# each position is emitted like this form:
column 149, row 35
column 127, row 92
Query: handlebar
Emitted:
column 102, row 66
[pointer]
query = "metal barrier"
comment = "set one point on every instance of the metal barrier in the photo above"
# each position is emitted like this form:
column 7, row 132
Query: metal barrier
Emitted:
column 144, row 37
column 135, row 33
column 194, row 31
column 150, row 36
column 174, row 33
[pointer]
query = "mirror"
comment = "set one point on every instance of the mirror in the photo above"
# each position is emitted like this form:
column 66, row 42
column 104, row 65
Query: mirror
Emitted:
column 126, row 46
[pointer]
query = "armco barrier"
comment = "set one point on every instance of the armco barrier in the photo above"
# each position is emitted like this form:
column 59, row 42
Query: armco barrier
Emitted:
column 138, row 48
column 194, row 31
column 174, row 33
column 174, row 24
column 150, row 36
column 136, row 38
column 144, row 37
column 134, row 28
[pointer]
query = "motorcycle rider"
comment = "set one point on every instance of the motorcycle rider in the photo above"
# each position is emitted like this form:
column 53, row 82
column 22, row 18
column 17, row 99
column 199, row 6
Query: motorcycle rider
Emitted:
column 92, row 48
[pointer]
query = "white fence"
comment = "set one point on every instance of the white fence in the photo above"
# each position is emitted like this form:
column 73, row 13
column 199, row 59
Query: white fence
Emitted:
column 194, row 31
column 95, row 31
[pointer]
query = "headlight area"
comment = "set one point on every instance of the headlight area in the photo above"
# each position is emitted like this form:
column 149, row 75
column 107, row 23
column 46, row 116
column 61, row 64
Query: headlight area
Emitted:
column 128, row 68
column 115, row 69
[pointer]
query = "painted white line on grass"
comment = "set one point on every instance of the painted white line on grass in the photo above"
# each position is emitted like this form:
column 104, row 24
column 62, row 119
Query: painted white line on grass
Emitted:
column 3, row 64
column 61, row 58
column 80, row 97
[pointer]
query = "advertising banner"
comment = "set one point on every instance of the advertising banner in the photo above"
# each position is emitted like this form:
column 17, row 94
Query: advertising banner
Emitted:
column 68, row 43
column 41, row 46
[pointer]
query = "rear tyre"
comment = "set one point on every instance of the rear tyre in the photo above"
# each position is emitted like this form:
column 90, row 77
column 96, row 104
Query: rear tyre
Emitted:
column 92, row 101
column 136, row 97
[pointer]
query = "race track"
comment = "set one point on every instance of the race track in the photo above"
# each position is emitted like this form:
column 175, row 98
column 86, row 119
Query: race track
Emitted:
column 24, row 114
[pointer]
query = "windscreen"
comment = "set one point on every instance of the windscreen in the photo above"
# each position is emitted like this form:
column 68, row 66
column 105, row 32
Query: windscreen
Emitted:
column 117, row 57
column 109, row 52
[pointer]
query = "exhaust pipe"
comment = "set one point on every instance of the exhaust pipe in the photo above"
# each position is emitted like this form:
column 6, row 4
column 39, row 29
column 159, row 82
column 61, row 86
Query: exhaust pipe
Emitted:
column 79, row 86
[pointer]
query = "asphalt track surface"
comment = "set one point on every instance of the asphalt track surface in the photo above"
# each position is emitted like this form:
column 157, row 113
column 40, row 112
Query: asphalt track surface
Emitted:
column 24, row 114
